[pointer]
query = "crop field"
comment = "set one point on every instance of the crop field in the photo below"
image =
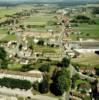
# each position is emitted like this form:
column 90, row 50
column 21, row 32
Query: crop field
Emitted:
column 87, row 59
column 87, row 31
column 38, row 19
column 8, row 11
column 12, row 10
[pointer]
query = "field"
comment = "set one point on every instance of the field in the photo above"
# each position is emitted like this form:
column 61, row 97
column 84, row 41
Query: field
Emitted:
column 87, row 59
column 12, row 10
column 40, row 19
column 87, row 31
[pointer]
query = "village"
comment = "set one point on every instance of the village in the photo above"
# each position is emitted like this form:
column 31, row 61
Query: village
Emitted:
column 49, row 52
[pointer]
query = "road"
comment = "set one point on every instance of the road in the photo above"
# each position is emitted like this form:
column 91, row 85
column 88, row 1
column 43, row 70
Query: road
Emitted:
column 13, row 93
column 41, row 97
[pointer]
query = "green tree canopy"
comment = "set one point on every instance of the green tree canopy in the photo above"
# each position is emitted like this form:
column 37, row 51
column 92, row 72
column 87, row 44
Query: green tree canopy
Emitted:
column 44, row 85
column 64, row 72
column 44, row 68
column 63, row 83
column 15, row 83
column 3, row 53
column 65, row 62
column 3, row 58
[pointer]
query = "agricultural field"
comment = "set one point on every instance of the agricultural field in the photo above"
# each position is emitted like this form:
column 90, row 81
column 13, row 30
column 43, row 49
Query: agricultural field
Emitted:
column 45, row 49
column 40, row 22
column 3, row 33
column 87, row 31
column 12, row 10
column 87, row 59
column 38, row 19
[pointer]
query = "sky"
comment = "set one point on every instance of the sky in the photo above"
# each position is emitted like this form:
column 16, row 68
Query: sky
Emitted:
column 47, row 0
column 44, row 0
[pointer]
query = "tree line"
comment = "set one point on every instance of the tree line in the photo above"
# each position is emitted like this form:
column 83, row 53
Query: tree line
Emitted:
column 15, row 83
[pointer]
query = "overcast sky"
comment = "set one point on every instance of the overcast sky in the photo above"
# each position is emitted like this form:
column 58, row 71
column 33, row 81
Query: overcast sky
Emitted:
column 44, row 0
column 49, row 0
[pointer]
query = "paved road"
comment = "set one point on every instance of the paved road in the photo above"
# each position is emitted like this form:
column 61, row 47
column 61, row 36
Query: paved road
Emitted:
column 41, row 97
column 74, row 71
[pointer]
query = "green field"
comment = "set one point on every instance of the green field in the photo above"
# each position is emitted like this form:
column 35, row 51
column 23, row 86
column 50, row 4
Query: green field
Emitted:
column 87, row 31
column 12, row 10
column 45, row 49
column 8, row 11
column 87, row 59
column 3, row 33
column 15, row 66
column 38, row 19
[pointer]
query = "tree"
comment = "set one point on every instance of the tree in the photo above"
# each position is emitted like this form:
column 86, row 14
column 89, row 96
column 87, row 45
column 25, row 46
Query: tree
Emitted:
column 20, row 47
column 22, row 27
column 44, row 85
column 74, row 78
column 15, row 83
column 51, row 23
column 36, row 86
column 41, row 42
column 97, row 71
column 3, row 58
column 44, row 68
column 3, row 53
column 63, row 83
column 96, row 10
column 64, row 72
column 65, row 62
column 26, row 68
